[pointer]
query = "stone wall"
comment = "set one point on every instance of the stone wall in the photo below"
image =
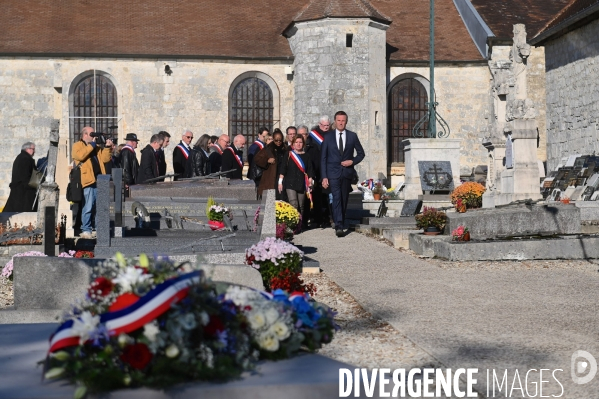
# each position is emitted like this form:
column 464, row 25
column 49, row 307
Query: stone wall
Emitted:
column 462, row 94
column 572, row 73
column 536, row 92
column 329, row 76
column 195, row 96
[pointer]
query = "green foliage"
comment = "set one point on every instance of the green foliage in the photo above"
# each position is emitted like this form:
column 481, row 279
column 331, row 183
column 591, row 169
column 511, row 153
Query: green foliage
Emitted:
column 431, row 217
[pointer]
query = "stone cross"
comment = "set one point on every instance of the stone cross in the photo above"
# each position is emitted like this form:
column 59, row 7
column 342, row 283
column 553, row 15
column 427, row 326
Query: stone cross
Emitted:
column 48, row 190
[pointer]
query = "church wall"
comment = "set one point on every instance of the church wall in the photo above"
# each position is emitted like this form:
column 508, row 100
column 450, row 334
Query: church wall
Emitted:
column 194, row 97
column 572, row 74
column 462, row 94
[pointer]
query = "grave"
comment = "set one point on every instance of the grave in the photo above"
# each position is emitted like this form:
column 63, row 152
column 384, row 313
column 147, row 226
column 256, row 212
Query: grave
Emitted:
column 411, row 208
column 222, row 188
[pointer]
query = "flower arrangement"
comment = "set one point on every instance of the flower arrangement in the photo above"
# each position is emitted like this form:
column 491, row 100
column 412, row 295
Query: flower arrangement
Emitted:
column 218, row 212
column 8, row 268
column 431, row 217
column 288, row 220
column 470, row 193
column 290, row 281
column 460, row 234
column 370, row 187
column 123, row 335
column 83, row 254
column 271, row 256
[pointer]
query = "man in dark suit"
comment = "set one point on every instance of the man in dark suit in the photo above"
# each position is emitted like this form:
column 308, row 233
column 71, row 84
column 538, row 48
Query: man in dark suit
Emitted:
column 337, row 166
column 233, row 158
column 181, row 153
column 148, row 167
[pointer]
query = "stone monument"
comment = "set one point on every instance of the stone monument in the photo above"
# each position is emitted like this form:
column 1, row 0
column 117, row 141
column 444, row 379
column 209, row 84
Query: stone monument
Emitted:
column 48, row 190
column 513, row 172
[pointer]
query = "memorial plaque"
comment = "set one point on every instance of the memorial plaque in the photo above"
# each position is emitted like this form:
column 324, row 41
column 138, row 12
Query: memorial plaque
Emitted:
column 594, row 181
column 435, row 175
column 509, row 152
column 411, row 207
column 580, row 162
column 571, row 160
column 382, row 212
column 587, row 193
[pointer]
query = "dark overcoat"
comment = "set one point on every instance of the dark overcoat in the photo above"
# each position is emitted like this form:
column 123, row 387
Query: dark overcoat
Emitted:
column 21, row 196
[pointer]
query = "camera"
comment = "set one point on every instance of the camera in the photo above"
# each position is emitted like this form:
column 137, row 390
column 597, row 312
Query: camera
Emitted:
column 101, row 139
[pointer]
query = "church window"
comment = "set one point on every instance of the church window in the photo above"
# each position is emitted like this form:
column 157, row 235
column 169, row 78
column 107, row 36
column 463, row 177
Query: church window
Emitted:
column 407, row 104
column 252, row 105
column 93, row 102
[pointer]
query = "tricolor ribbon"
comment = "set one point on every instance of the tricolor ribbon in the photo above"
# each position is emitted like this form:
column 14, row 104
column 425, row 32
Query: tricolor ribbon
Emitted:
column 316, row 137
column 128, row 147
column 236, row 157
column 259, row 144
column 300, row 165
column 217, row 148
column 184, row 150
column 146, row 309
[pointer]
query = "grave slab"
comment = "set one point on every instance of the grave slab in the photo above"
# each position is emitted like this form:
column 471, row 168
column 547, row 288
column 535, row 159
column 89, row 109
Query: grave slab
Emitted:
column 22, row 346
column 423, row 245
column 240, row 189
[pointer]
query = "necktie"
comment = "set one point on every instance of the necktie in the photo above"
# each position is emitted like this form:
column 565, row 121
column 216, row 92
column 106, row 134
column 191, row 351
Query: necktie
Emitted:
column 341, row 143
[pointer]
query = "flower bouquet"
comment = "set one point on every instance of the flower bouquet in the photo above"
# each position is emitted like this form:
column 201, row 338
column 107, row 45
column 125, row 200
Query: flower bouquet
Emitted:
column 431, row 220
column 149, row 322
column 288, row 220
column 470, row 193
column 460, row 234
column 272, row 256
column 216, row 215
column 369, row 187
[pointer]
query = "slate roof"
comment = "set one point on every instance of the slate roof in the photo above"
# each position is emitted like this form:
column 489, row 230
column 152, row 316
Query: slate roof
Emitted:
column 214, row 28
column 574, row 14
column 501, row 15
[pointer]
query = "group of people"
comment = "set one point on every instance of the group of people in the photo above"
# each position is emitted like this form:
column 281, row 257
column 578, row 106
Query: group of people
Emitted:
column 311, row 169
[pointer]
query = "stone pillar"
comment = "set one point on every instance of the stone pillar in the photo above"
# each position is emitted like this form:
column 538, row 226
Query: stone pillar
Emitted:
column 48, row 190
column 495, row 167
column 329, row 76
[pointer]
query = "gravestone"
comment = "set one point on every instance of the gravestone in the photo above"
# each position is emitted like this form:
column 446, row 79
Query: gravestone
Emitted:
column 435, row 175
column 411, row 207
column 103, row 211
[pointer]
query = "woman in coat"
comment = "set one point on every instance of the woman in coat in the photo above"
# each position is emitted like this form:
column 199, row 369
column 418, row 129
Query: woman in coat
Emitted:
column 296, row 175
column 197, row 163
column 22, row 197
column 270, row 159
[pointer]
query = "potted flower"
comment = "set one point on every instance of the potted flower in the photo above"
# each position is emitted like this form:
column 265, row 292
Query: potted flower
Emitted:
column 431, row 221
column 470, row 194
column 378, row 190
column 460, row 234
column 288, row 220
column 216, row 214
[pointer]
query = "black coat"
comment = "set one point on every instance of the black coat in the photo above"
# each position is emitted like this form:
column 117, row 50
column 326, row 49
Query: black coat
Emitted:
column 148, row 168
column 294, row 178
column 197, row 163
column 21, row 196
column 216, row 159
column 179, row 161
column 130, row 166
column 161, row 162
column 230, row 162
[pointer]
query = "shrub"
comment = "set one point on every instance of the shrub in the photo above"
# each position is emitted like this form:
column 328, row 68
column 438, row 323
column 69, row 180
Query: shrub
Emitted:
column 431, row 217
column 470, row 193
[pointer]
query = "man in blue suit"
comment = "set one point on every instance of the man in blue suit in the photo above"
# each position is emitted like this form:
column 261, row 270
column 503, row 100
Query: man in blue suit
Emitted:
column 337, row 166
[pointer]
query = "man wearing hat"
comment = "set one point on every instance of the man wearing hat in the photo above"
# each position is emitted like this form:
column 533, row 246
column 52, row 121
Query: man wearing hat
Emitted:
column 129, row 160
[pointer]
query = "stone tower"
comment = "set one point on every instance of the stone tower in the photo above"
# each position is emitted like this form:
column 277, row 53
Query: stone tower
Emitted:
column 340, row 64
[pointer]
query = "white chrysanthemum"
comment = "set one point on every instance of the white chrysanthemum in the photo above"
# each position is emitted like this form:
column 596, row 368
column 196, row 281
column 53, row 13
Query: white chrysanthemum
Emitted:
column 172, row 351
column 272, row 315
column 281, row 330
column 257, row 320
column 85, row 325
column 129, row 277
column 268, row 341
column 151, row 330
column 204, row 318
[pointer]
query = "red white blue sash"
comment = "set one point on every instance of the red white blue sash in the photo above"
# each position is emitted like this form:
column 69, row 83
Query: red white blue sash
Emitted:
column 184, row 150
column 316, row 137
column 146, row 309
column 218, row 149
column 300, row 165
column 259, row 144
column 128, row 147
column 236, row 157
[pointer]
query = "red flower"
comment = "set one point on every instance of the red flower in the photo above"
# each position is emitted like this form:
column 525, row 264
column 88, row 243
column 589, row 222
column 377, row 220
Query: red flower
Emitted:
column 101, row 284
column 123, row 301
column 215, row 325
column 137, row 356
column 250, row 260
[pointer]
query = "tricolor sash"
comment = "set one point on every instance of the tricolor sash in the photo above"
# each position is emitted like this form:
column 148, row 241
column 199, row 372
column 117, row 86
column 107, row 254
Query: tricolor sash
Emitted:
column 146, row 309
column 300, row 165
column 184, row 150
column 236, row 157
column 128, row 147
column 316, row 137
column 217, row 148
column 259, row 144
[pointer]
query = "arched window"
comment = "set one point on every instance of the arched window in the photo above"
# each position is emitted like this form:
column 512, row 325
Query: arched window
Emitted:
column 93, row 102
column 252, row 104
column 407, row 104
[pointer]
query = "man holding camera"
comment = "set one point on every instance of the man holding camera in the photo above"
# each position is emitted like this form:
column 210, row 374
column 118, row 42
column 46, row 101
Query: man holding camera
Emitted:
column 90, row 157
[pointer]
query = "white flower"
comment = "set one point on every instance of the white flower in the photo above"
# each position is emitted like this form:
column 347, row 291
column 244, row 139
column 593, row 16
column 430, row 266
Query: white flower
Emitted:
column 272, row 315
column 257, row 320
column 281, row 330
column 268, row 341
column 204, row 318
column 172, row 351
column 85, row 325
column 124, row 340
column 129, row 277
column 151, row 330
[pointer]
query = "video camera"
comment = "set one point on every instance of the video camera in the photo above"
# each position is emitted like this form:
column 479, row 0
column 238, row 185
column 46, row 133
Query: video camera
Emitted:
column 102, row 137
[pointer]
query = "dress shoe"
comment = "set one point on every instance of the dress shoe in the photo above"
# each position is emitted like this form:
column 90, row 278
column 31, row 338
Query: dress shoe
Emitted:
column 339, row 232
column 86, row 235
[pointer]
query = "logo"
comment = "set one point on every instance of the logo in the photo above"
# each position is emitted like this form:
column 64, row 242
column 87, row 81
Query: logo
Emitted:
column 580, row 367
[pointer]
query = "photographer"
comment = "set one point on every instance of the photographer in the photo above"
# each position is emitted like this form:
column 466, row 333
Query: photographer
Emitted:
column 92, row 158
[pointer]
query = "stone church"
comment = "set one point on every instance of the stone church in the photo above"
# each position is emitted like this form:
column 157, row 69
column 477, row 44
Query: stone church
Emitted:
column 217, row 67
